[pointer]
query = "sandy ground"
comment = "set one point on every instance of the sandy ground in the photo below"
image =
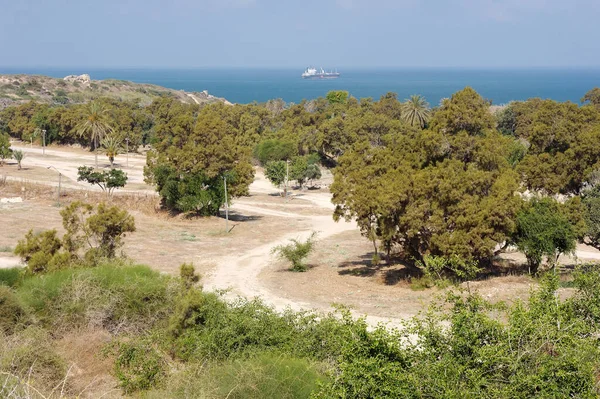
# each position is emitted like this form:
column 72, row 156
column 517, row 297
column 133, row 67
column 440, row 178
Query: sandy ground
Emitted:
column 240, row 260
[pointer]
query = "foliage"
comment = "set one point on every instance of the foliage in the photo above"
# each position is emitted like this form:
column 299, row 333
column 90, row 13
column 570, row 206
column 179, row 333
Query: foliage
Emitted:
column 204, row 148
column 592, row 96
column 112, row 296
column 416, row 111
column 591, row 201
column 18, row 155
column 265, row 376
column 296, row 252
column 192, row 192
column 108, row 181
column 544, row 230
column 95, row 124
column 138, row 366
column 101, row 232
column 437, row 267
column 112, row 146
column 337, row 97
column 5, row 151
column 442, row 192
column 274, row 150
column 42, row 252
column 188, row 275
column 11, row 276
column 303, row 169
column 466, row 351
column 12, row 311
column 277, row 173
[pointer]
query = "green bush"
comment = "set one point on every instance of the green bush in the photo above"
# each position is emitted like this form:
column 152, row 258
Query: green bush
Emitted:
column 296, row 252
column 11, row 276
column 113, row 296
column 39, row 251
column 138, row 366
column 12, row 311
column 266, row 376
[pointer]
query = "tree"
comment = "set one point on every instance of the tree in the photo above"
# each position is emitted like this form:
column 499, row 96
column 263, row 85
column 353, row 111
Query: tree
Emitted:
column 303, row 169
column 465, row 111
column 277, row 174
column 590, row 199
column 275, row 150
column 203, row 148
column 100, row 233
column 592, row 96
column 543, row 230
column 337, row 97
column 95, row 124
column 108, row 181
column 5, row 151
column 112, row 147
column 416, row 111
column 296, row 252
column 18, row 155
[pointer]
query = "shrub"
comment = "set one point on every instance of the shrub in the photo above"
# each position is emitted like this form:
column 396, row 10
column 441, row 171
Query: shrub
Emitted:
column 296, row 252
column 265, row 376
column 12, row 311
column 41, row 252
column 188, row 274
column 138, row 366
column 113, row 296
column 108, row 181
column 10, row 277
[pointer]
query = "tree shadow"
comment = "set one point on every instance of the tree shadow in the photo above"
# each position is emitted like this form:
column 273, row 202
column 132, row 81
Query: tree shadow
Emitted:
column 236, row 216
column 393, row 273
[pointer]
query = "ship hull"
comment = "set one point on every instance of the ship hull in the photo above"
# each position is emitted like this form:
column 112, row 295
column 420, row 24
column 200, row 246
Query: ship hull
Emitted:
column 322, row 76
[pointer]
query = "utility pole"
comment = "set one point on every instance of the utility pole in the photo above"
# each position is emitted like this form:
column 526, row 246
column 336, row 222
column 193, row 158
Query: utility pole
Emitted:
column 127, row 150
column 44, row 142
column 226, row 205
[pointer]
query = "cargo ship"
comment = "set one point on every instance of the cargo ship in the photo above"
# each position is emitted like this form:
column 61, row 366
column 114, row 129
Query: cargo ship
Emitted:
column 313, row 73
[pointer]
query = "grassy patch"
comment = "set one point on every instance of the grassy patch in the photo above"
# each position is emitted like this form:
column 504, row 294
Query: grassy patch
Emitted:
column 11, row 276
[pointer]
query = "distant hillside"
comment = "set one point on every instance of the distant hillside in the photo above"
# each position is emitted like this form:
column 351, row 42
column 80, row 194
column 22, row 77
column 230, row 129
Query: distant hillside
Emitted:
column 16, row 89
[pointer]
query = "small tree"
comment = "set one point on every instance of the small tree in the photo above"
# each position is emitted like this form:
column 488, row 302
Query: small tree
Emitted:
column 296, row 252
column 5, row 151
column 112, row 147
column 18, row 155
column 544, row 230
column 108, row 181
column 276, row 172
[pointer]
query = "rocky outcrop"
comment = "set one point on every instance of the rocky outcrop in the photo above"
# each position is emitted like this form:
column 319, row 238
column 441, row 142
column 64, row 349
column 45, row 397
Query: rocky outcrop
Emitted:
column 84, row 79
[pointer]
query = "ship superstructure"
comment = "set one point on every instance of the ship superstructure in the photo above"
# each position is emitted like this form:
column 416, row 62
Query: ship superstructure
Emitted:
column 314, row 73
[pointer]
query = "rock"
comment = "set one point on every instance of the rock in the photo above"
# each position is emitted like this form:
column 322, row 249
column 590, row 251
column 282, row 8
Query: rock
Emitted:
column 85, row 78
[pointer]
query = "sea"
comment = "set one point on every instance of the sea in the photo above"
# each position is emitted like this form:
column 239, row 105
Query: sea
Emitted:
column 240, row 85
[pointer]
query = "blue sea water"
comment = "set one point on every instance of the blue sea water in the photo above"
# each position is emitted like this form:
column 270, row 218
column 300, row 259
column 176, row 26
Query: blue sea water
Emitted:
column 248, row 85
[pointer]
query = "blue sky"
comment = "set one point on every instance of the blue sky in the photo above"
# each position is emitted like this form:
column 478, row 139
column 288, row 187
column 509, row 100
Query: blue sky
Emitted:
column 290, row 33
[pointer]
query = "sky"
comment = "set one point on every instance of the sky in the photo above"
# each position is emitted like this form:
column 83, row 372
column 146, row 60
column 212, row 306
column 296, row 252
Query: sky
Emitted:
column 292, row 33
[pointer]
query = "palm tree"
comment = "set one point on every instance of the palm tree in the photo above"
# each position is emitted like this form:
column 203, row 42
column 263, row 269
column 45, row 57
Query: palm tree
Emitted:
column 95, row 124
column 416, row 111
column 112, row 147
column 18, row 155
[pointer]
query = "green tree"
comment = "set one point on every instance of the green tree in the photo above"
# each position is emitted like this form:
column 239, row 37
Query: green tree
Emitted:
column 337, row 97
column 277, row 173
column 112, row 147
column 108, row 181
column 590, row 199
column 95, row 124
column 203, row 148
column 466, row 111
column 18, row 155
column 5, row 151
column 592, row 96
column 544, row 230
column 275, row 150
column 415, row 111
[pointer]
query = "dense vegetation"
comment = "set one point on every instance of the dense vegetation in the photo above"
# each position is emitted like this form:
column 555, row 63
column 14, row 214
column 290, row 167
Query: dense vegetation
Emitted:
column 171, row 339
column 439, row 182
